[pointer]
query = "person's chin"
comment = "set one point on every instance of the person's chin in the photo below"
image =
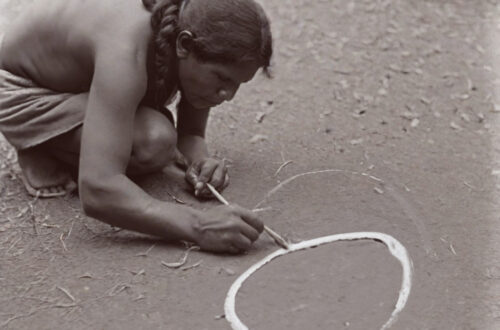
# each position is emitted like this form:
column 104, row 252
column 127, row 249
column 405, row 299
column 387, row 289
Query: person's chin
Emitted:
column 198, row 102
column 204, row 104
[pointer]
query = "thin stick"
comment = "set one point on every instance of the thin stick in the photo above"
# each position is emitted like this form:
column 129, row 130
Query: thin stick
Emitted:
column 275, row 236
column 66, row 292
column 282, row 167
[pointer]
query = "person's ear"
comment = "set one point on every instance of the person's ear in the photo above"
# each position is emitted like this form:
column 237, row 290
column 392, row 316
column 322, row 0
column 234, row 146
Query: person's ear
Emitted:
column 183, row 43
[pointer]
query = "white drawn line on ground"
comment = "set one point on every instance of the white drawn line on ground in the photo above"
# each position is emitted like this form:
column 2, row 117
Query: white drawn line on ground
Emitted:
column 394, row 246
column 407, row 208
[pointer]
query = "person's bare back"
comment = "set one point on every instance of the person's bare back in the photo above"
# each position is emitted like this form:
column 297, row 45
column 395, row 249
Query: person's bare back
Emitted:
column 62, row 37
column 55, row 43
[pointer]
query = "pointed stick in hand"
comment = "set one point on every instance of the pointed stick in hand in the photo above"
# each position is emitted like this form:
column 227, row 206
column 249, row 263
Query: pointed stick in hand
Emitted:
column 275, row 236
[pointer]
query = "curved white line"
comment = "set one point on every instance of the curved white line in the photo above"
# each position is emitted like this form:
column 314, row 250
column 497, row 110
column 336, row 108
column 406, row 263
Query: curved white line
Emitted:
column 395, row 247
column 290, row 179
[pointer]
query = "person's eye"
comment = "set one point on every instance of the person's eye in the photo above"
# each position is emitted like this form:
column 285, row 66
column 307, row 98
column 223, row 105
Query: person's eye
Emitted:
column 223, row 78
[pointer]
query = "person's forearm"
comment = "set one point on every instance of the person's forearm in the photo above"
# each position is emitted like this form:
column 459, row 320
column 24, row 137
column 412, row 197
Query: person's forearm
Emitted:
column 121, row 203
column 193, row 147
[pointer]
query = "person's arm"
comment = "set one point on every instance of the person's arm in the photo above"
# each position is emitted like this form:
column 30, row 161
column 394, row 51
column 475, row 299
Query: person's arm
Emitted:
column 191, row 126
column 191, row 143
column 107, row 194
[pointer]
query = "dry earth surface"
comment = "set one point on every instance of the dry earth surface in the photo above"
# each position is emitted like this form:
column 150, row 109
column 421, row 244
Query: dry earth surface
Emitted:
column 402, row 90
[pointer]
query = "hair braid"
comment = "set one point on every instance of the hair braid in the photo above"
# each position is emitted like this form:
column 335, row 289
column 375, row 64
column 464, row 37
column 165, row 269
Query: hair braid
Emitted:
column 164, row 19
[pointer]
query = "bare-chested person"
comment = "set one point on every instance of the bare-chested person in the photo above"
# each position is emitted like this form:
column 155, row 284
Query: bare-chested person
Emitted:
column 85, row 83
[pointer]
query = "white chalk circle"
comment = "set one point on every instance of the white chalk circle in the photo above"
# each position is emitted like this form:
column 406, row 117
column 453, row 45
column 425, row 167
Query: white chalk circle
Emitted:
column 395, row 247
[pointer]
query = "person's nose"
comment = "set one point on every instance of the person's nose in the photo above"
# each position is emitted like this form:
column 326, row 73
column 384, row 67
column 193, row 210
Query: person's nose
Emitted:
column 228, row 93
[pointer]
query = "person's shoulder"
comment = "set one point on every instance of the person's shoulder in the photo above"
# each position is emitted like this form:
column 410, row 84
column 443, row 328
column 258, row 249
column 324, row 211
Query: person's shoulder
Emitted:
column 120, row 29
column 123, row 18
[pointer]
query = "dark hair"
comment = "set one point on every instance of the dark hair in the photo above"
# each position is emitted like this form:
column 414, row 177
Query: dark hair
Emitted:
column 224, row 31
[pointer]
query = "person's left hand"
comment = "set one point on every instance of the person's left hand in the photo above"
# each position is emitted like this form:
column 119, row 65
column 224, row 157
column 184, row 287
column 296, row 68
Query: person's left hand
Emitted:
column 207, row 170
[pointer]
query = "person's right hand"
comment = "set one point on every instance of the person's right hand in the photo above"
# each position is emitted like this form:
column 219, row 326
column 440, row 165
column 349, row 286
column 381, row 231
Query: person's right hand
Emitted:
column 227, row 228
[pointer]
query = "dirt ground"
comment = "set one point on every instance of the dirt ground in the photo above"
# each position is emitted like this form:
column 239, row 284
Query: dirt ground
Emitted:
column 402, row 90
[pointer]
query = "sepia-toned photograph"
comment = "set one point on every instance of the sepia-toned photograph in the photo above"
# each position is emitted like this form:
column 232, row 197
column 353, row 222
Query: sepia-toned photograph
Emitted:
column 250, row 164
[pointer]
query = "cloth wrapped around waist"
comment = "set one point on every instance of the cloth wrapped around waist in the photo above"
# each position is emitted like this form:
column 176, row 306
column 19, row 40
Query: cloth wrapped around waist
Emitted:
column 31, row 115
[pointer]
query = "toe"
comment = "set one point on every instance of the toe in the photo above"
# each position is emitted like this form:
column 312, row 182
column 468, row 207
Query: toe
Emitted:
column 44, row 192
column 53, row 191
column 70, row 186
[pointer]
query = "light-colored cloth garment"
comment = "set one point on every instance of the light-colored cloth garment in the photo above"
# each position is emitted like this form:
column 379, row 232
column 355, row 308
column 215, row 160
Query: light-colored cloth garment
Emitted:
column 31, row 115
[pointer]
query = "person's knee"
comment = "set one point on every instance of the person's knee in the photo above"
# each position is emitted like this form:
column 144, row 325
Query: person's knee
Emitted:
column 154, row 147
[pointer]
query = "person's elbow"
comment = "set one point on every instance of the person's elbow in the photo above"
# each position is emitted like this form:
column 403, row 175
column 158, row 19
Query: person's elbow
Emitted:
column 93, row 196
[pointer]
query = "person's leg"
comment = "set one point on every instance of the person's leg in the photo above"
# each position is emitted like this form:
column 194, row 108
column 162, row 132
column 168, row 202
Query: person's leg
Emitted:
column 154, row 144
column 43, row 174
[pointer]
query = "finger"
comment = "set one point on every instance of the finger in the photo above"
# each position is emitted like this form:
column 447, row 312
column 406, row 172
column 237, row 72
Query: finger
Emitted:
column 233, row 250
column 249, row 232
column 206, row 171
column 226, row 181
column 192, row 174
column 242, row 243
column 180, row 159
column 249, row 217
column 219, row 175
column 205, row 193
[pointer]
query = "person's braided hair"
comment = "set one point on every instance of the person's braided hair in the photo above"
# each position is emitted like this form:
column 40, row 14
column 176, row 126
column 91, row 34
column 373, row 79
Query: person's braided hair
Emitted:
column 164, row 19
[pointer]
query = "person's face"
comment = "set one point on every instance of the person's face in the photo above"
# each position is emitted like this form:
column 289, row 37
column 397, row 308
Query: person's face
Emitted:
column 207, row 84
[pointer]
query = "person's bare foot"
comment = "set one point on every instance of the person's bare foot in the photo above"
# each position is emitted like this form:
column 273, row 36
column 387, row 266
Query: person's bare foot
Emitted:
column 43, row 175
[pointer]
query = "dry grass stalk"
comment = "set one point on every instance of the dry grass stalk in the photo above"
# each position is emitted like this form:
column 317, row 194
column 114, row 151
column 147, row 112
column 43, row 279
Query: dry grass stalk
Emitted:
column 282, row 167
column 61, row 238
column 145, row 254
column 67, row 293
column 182, row 261
column 192, row 266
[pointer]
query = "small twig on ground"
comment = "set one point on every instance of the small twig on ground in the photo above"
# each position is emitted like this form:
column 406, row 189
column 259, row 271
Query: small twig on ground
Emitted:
column 262, row 209
column 32, row 212
column 192, row 266
column 22, row 212
column 469, row 185
column 139, row 297
column 450, row 246
column 66, row 292
column 70, row 229
column 62, row 242
column 145, row 254
column 141, row 272
column 177, row 200
column 64, row 305
column 182, row 261
column 372, row 177
column 452, row 249
column 282, row 167
column 48, row 225
column 117, row 289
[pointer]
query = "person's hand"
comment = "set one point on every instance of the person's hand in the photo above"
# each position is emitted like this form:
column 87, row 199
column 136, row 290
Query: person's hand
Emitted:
column 207, row 170
column 227, row 228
